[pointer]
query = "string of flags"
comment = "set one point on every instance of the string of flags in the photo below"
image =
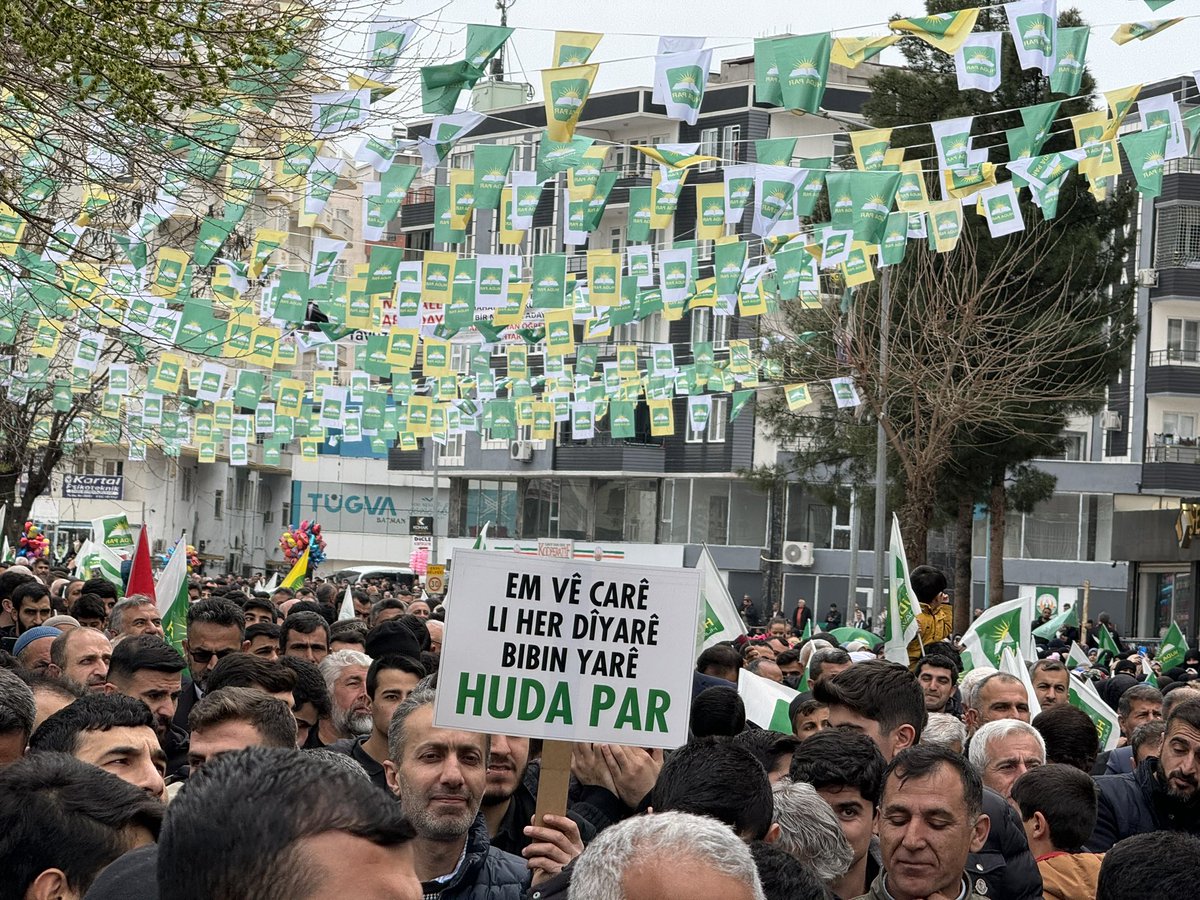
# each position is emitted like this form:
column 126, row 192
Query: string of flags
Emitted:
column 207, row 340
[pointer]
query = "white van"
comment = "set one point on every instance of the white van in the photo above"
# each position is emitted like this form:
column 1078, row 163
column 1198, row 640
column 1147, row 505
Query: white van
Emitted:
column 397, row 574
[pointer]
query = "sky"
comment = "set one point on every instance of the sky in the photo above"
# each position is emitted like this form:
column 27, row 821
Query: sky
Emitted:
column 631, row 29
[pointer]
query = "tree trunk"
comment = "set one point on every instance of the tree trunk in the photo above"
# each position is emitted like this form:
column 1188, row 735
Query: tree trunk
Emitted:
column 998, row 506
column 962, row 564
column 915, row 514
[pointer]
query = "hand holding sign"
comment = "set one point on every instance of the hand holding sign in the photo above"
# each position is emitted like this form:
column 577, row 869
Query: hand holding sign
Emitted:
column 552, row 846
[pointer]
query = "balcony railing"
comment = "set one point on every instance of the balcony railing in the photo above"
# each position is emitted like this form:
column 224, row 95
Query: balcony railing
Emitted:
column 1166, row 450
column 1176, row 357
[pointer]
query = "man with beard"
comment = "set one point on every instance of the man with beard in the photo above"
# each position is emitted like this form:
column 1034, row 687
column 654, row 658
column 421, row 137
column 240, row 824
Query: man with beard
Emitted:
column 147, row 668
column 214, row 631
column 510, row 798
column 345, row 674
column 390, row 680
column 81, row 656
column 440, row 776
column 1161, row 794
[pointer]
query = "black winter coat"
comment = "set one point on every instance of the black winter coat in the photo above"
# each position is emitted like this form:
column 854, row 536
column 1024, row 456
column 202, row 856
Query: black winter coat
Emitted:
column 1135, row 804
column 1004, row 862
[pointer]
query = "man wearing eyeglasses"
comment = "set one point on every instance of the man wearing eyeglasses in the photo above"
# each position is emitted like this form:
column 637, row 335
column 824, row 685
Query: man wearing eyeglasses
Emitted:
column 214, row 630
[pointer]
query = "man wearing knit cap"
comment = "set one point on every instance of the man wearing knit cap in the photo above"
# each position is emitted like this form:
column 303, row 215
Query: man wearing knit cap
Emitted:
column 32, row 648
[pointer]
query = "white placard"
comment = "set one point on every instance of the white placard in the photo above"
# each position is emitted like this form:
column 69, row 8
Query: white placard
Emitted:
column 568, row 650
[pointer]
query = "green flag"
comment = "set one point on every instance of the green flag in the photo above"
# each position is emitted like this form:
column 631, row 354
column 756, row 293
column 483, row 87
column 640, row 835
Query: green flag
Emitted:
column 803, row 64
column 492, row 162
column 1105, row 639
column 1063, row 619
column 1082, row 695
column 171, row 589
column 1005, row 624
column 1173, row 648
column 1146, row 151
column 1070, row 54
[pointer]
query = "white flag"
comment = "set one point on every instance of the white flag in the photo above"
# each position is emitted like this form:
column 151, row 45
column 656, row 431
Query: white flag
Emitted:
column 977, row 62
column 347, row 611
column 1001, row 209
column 1164, row 110
column 680, row 79
column 1006, row 624
column 722, row 621
column 1012, row 662
column 767, row 702
column 900, row 627
column 1032, row 24
column 669, row 44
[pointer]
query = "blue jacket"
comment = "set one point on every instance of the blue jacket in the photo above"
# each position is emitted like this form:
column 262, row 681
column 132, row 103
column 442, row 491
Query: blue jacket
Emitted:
column 485, row 874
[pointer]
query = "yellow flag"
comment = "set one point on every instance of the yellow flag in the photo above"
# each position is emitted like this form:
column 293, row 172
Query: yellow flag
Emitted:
column 566, row 91
column 513, row 309
column 574, row 48
column 263, row 342
column 857, row 269
column 295, row 578
column 945, row 220
column 710, row 211
column 1120, row 101
column 662, row 417
column 508, row 236
column 439, row 276
column 169, row 270
column 946, row 32
column 797, row 396
column 911, row 195
column 604, row 277
column 1139, row 31
column 849, row 52
column 870, row 147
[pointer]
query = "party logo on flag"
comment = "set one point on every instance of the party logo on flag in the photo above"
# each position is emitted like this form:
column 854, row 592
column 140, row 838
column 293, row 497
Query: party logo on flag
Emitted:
column 982, row 62
column 1036, row 30
column 687, row 85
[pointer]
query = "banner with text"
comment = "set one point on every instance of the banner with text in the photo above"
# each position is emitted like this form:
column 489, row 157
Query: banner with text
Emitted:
column 568, row 650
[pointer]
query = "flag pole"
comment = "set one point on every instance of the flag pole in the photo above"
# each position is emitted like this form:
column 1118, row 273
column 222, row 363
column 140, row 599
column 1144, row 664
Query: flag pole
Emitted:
column 885, row 322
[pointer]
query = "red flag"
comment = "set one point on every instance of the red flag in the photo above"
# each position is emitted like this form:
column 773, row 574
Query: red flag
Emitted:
column 141, row 573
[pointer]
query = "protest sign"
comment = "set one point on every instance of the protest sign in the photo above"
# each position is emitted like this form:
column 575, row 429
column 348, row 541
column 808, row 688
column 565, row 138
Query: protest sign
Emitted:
column 567, row 650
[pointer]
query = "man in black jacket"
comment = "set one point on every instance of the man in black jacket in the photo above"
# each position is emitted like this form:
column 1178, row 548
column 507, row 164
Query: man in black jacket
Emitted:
column 1162, row 794
column 440, row 777
column 885, row 701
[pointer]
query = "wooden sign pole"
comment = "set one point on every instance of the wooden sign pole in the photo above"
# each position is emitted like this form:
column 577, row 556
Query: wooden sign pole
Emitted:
column 554, row 781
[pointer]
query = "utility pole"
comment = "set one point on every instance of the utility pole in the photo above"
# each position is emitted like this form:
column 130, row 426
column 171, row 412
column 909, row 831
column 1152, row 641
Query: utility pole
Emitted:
column 498, row 60
column 881, row 529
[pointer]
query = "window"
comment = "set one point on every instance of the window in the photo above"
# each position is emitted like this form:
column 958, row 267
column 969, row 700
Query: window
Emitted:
column 460, row 357
column 717, row 420
column 114, row 467
column 841, row 146
column 629, row 333
column 704, row 250
column 1179, row 426
column 451, row 453
column 701, row 323
column 85, row 466
column 731, row 143
column 494, row 502
column 462, row 159
column 187, row 481
column 1177, row 236
column 1183, row 340
column 218, row 504
column 616, row 239
column 709, row 147
column 543, row 240
column 618, row 160
column 720, row 332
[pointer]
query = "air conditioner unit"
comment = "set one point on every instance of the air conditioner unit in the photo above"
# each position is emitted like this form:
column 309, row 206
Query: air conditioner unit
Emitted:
column 522, row 451
column 798, row 553
column 1147, row 278
column 1111, row 420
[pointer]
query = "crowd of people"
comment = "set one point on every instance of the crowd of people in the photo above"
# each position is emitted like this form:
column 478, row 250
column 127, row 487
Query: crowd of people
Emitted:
column 288, row 754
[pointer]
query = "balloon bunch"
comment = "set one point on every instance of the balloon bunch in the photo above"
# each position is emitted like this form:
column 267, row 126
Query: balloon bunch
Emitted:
column 305, row 537
column 33, row 543
column 418, row 560
column 193, row 561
